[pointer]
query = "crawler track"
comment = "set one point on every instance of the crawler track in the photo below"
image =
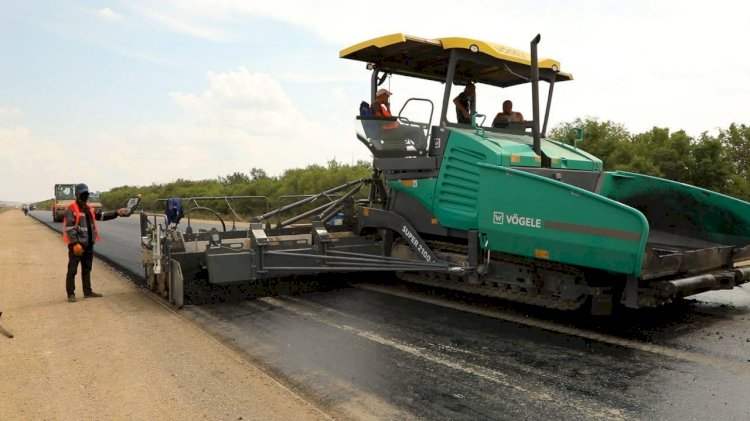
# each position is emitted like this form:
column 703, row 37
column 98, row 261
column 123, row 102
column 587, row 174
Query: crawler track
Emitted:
column 541, row 272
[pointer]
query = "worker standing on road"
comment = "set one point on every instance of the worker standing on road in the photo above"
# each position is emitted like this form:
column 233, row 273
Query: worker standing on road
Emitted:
column 80, row 232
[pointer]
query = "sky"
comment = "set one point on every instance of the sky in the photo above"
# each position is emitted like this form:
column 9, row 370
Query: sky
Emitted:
column 137, row 92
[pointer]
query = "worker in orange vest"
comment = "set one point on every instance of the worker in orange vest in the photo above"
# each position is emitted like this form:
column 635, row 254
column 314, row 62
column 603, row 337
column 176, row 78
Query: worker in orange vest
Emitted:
column 80, row 233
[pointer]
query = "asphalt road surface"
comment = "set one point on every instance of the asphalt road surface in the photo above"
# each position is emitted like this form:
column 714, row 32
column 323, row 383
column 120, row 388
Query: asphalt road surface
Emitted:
column 384, row 350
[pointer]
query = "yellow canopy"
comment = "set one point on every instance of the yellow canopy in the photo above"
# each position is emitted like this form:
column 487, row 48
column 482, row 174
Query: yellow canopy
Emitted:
column 428, row 59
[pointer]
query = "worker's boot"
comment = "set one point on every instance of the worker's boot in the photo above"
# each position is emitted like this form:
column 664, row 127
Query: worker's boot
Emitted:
column 87, row 292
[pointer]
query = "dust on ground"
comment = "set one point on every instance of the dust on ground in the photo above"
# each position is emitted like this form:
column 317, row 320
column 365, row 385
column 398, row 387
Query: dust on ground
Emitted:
column 123, row 356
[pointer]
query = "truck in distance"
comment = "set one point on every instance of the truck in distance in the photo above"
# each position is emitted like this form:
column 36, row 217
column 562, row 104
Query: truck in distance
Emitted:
column 64, row 196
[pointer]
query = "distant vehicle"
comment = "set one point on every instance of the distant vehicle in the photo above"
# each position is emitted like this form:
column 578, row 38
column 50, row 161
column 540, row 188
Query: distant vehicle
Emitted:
column 25, row 209
column 94, row 198
column 95, row 201
column 64, row 196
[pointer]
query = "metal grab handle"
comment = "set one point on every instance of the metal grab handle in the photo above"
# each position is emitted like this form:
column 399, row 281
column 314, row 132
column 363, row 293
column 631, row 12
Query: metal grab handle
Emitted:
column 478, row 127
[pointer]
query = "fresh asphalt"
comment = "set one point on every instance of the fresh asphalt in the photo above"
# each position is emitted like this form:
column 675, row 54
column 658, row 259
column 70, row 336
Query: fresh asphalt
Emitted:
column 381, row 350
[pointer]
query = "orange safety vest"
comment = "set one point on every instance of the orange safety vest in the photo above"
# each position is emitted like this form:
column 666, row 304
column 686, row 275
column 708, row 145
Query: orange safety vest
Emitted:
column 77, row 212
column 391, row 124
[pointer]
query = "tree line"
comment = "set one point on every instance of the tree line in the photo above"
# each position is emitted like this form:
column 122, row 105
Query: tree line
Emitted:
column 718, row 162
column 262, row 192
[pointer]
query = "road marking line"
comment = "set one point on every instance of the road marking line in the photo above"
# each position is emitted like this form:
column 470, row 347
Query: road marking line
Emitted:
column 561, row 379
column 591, row 408
column 736, row 367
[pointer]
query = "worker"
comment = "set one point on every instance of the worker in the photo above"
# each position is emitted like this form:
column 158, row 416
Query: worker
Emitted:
column 508, row 115
column 392, row 130
column 466, row 104
column 80, row 233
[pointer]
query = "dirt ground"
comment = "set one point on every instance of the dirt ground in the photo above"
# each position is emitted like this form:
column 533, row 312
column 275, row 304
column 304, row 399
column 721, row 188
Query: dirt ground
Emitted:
column 123, row 356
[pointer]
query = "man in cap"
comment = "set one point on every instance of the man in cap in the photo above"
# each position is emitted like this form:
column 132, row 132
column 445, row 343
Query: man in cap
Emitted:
column 80, row 232
column 392, row 130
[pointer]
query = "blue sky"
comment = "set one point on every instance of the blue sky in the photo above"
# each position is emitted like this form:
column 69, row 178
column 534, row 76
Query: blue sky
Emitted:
column 140, row 92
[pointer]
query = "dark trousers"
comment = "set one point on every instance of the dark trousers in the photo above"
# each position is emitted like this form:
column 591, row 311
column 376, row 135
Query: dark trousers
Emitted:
column 86, row 261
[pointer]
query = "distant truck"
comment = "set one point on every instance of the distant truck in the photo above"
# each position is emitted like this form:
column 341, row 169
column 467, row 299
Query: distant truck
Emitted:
column 64, row 196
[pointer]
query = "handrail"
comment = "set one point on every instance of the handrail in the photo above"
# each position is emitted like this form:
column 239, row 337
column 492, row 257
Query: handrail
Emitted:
column 226, row 199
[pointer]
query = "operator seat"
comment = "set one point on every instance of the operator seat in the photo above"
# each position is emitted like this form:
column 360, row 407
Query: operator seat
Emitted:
column 174, row 211
column 371, row 125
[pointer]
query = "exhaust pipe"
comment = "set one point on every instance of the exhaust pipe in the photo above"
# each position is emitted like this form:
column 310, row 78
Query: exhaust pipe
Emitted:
column 535, row 95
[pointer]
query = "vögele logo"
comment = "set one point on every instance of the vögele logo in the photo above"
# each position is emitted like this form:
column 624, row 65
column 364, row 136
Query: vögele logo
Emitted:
column 501, row 218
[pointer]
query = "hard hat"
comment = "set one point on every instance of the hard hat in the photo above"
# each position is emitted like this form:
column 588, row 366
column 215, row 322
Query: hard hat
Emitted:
column 81, row 188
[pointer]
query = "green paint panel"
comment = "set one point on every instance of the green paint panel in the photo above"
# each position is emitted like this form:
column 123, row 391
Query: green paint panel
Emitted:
column 422, row 189
column 524, row 214
column 567, row 157
column 533, row 216
column 457, row 189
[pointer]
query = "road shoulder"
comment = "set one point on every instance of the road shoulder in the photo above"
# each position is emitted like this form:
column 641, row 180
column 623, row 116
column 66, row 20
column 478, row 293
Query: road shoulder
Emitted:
column 123, row 356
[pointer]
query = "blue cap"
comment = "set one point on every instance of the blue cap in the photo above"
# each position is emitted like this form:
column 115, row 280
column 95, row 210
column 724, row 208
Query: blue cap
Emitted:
column 81, row 188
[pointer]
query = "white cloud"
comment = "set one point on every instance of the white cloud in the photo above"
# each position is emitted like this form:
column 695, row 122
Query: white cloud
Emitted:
column 10, row 113
column 189, row 25
column 642, row 63
column 245, row 119
column 253, row 102
column 30, row 166
column 109, row 15
column 302, row 77
column 240, row 121
column 237, row 88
